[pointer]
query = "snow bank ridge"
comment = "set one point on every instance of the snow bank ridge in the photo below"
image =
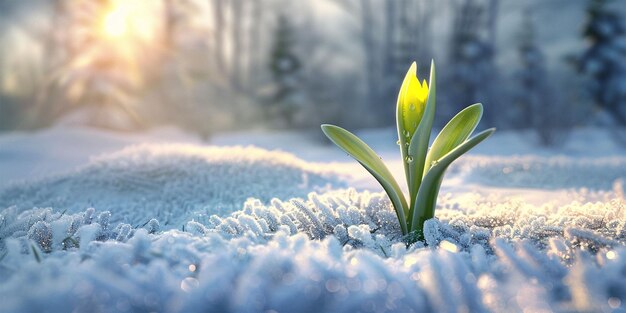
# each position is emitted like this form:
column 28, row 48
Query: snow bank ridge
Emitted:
column 173, row 183
column 542, row 172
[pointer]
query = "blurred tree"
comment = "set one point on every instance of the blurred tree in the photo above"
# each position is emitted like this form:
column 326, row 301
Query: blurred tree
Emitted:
column 285, row 69
column 471, row 57
column 238, row 19
column 256, row 36
column 530, row 97
column 372, row 57
column 28, row 53
column 98, row 57
column 536, row 106
column 392, row 35
column 406, row 40
column 237, row 29
column 605, row 59
column 10, row 114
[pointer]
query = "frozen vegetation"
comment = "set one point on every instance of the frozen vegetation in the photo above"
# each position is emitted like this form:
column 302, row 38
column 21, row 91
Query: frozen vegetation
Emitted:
column 172, row 183
column 190, row 228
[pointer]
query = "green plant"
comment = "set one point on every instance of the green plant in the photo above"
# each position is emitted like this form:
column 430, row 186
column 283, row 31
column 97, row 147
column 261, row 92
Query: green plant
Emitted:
column 424, row 168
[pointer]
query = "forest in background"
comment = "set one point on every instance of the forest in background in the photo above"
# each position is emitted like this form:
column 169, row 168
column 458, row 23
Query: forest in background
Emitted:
column 215, row 65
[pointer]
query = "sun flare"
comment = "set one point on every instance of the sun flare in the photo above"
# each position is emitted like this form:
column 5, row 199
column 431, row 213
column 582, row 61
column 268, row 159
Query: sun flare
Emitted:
column 125, row 19
column 115, row 23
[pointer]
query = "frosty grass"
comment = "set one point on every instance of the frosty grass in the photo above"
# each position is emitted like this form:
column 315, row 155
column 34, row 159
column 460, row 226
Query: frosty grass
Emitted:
column 171, row 229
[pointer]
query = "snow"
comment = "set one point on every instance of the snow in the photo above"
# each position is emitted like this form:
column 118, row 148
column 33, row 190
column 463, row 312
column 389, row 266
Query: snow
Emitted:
column 173, row 183
column 26, row 155
column 111, row 225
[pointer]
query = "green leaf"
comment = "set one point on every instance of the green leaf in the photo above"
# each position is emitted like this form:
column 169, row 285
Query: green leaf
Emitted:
column 361, row 152
column 458, row 129
column 419, row 143
column 424, row 207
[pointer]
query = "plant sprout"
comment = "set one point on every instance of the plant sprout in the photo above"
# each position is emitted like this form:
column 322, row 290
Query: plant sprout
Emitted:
column 424, row 168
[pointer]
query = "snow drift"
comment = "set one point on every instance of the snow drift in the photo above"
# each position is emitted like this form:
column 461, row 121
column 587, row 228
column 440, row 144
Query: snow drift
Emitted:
column 542, row 172
column 172, row 183
column 334, row 252
column 172, row 229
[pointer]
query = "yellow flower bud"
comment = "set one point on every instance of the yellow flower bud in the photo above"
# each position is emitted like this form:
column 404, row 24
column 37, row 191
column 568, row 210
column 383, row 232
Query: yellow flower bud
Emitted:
column 411, row 102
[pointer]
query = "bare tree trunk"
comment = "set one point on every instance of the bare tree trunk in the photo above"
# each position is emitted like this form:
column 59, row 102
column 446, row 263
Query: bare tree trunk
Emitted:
column 390, row 36
column 169, row 23
column 219, row 30
column 406, row 47
column 254, row 42
column 492, row 22
column 237, row 20
column 46, row 99
column 424, row 40
column 371, row 53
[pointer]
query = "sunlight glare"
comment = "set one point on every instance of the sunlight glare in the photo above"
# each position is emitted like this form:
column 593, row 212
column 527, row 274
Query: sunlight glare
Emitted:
column 449, row 246
column 130, row 18
column 410, row 260
column 611, row 255
column 115, row 23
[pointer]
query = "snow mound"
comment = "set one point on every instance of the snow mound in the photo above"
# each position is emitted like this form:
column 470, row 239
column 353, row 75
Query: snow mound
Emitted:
column 356, row 219
column 172, row 183
column 171, row 229
column 566, row 259
column 368, row 220
column 542, row 172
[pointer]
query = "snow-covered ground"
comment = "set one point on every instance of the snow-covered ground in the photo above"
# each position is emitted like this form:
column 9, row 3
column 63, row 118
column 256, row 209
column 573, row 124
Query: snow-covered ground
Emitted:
column 96, row 221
